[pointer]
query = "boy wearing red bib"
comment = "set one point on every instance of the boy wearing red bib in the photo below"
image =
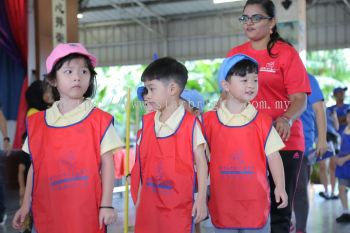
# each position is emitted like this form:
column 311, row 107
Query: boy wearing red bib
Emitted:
column 170, row 147
column 242, row 142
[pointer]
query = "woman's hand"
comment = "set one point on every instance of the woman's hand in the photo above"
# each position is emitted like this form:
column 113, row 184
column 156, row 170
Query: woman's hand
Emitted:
column 282, row 126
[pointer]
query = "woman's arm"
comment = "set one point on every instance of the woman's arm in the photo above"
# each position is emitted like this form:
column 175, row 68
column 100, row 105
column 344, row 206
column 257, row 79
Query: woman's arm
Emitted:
column 296, row 108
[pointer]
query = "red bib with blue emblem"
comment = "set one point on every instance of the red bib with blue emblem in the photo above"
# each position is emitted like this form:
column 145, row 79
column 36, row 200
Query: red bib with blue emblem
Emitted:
column 67, row 187
column 168, row 178
column 239, row 189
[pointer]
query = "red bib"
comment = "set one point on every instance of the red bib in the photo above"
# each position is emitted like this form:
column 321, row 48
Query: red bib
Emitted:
column 239, row 189
column 67, row 187
column 136, row 172
column 168, row 178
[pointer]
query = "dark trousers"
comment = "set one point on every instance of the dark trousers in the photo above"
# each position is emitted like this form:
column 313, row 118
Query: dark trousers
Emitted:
column 301, row 202
column 280, row 218
column 2, row 184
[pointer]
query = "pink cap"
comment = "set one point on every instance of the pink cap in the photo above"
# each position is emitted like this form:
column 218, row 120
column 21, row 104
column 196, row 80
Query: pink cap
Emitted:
column 63, row 50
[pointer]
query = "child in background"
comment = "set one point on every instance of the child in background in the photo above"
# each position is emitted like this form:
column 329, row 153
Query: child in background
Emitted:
column 70, row 182
column 242, row 142
column 170, row 146
column 135, row 172
column 343, row 171
column 142, row 96
column 194, row 102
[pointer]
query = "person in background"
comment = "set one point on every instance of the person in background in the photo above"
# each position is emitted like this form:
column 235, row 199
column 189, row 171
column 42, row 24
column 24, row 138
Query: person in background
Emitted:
column 315, row 113
column 333, row 139
column 193, row 102
column 38, row 97
column 340, row 107
column 6, row 148
column 343, row 171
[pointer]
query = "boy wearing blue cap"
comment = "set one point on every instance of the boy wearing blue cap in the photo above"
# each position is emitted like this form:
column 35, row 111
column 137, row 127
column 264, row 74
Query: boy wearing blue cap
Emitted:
column 242, row 141
column 340, row 107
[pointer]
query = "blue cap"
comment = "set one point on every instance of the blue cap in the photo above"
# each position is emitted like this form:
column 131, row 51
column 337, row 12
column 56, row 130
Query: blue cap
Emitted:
column 194, row 99
column 140, row 92
column 339, row 89
column 228, row 63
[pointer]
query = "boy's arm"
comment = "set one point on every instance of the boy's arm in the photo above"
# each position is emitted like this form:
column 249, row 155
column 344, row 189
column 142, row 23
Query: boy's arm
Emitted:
column 138, row 195
column 107, row 172
column 342, row 160
column 335, row 120
column 107, row 215
column 199, row 210
column 3, row 129
column 27, row 199
column 21, row 181
column 277, row 172
column 18, row 219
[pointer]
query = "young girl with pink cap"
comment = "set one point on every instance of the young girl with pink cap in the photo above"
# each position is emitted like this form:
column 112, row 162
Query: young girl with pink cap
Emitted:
column 70, row 183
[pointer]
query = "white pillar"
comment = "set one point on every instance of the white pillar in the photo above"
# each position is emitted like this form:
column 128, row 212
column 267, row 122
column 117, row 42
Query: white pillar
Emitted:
column 291, row 24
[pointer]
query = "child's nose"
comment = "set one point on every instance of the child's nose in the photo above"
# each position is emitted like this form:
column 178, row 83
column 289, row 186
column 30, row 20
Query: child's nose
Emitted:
column 76, row 77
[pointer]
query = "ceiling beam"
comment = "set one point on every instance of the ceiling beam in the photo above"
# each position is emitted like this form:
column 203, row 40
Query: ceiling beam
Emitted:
column 135, row 19
column 143, row 6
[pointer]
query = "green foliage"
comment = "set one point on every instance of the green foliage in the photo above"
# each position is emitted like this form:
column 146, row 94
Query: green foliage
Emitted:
column 202, row 77
column 331, row 68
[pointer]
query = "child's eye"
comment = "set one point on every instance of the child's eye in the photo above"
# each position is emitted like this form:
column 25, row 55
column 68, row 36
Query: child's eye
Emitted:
column 255, row 80
column 244, row 80
column 67, row 71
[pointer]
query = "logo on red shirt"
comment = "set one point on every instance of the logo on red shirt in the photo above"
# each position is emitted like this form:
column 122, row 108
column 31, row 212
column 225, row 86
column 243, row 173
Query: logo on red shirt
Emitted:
column 269, row 67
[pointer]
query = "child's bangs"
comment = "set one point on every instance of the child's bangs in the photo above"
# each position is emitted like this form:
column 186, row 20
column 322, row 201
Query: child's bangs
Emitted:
column 243, row 68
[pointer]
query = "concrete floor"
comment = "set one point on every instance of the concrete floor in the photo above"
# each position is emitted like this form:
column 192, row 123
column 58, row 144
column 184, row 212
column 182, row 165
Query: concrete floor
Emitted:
column 321, row 218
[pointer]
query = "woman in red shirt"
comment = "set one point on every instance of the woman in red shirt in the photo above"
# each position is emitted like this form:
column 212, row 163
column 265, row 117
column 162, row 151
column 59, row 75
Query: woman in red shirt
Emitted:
column 283, row 87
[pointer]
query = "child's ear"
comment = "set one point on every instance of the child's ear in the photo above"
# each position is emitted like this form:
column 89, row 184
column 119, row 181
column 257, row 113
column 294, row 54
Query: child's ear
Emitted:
column 173, row 88
column 225, row 85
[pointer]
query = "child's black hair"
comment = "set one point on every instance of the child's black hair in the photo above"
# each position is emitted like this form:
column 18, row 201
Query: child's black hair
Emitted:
column 35, row 94
column 166, row 69
column 144, row 92
column 50, row 77
column 242, row 68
